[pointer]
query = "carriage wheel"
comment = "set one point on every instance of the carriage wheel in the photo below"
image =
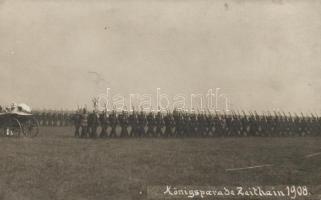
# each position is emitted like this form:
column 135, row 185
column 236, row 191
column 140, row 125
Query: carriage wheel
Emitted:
column 11, row 128
column 31, row 127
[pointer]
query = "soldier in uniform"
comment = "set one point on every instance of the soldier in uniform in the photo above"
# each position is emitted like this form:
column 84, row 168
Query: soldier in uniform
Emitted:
column 224, row 125
column 276, row 124
column 113, row 122
column 288, row 124
column 303, row 126
column 64, row 118
column 77, row 123
column 217, row 125
column 93, row 123
column 168, row 125
column 132, row 122
column 44, row 118
column 269, row 125
column 281, row 126
column 187, row 128
column 90, row 122
column 201, row 125
column 123, row 119
column 151, row 124
column 54, row 118
column 260, row 124
column 316, row 126
column 159, row 124
column 84, row 123
column 135, row 124
column 236, row 126
column 243, row 124
column 103, row 118
column 179, row 125
column 141, row 124
column 48, row 118
column 194, row 125
column 295, row 129
column 60, row 118
column 252, row 125
column 228, row 127
column 318, row 133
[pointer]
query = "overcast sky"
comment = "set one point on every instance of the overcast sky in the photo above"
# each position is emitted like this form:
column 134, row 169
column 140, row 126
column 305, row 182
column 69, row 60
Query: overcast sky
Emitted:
column 262, row 54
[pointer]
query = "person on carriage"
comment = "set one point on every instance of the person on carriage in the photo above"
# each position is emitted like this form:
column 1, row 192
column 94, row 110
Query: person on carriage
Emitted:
column 14, row 107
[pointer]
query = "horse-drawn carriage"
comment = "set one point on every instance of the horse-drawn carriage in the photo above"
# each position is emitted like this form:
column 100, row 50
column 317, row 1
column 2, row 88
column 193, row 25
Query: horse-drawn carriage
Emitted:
column 18, row 123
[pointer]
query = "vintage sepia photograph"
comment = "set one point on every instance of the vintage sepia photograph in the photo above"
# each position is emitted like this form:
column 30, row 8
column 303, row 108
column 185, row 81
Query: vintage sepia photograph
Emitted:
column 160, row 99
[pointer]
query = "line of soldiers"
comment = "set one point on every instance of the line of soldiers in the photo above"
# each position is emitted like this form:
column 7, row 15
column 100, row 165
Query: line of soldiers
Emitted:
column 54, row 118
column 183, row 124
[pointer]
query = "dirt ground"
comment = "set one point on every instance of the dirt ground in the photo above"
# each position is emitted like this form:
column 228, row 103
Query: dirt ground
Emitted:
column 55, row 165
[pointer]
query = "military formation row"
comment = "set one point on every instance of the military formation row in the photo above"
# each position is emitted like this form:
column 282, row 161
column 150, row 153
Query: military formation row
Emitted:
column 182, row 124
column 54, row 118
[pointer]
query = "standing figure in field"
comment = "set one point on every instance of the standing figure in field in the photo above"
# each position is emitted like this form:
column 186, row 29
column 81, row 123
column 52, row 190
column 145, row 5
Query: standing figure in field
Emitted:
column 150, row 124
column 93, row 123
column 141, row 124
column 159, row 122
column 235, row 126
column 103, row 119
column 269, row 125
column 48, row 118
column 66, row 119
column 55, row 119
column 131, row 124
column 63, row 119
column 84, row 123
column 316, row 126
column 188, row 127
column 123, row 120
column 169, row 123
column 253, row 125
column 113, row 122
column 180, row 125
column 77, row 123
column 260, row 124
column 134, row 124
column 193, row 125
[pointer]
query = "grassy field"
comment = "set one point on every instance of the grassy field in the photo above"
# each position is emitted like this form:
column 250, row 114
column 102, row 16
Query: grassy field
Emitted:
column 55, row 165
